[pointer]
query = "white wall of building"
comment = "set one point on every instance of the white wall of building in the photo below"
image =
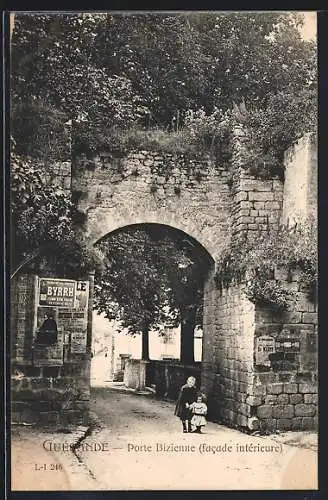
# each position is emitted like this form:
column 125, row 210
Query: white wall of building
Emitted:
column 107, row 336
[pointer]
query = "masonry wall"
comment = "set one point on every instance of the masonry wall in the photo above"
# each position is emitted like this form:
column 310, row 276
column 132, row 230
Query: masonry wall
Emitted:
column 287, row 386
column 256, row 203
column 228, row 348
column 147, row 187
column 202, row 200
column 301, row 181
column 49, row 385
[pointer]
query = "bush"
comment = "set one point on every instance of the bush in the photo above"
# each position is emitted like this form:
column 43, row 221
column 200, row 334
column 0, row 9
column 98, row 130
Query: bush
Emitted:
column 253, row 264
column 39, row 131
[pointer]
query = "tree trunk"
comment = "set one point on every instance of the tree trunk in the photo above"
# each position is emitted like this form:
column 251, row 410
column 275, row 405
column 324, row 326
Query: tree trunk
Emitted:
column 188, row 321
column 145, row 344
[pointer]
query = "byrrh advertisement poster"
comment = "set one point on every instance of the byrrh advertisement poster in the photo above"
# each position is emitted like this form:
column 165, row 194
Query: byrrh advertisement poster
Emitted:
column 163, row 276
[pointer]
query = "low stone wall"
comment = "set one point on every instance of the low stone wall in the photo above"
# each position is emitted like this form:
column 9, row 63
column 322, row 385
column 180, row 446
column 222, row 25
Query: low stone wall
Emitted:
column 168, row 377
column 135, row 374
column 50, row 394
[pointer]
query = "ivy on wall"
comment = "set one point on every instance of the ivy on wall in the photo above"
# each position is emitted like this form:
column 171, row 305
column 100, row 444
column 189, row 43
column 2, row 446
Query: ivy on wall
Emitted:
column 265, row 266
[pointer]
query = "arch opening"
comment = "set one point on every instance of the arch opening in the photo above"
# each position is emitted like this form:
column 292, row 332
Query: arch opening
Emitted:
column 174, row 266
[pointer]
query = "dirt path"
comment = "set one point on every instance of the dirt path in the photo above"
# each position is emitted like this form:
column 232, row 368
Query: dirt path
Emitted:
column 145, row 449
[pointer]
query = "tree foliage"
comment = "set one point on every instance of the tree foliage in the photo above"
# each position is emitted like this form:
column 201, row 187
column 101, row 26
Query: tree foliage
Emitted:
column 41, row 220
column 253, row 264
column 155, row 70
column 149, row 279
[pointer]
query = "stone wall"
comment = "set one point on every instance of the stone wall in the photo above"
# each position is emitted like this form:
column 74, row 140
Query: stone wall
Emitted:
column 301, row 181
column 287, row 386
column 135, row 373
column 283, row 393
column 256, row 203
column 205, row 202
column 168, row 377
column 147, row 187
column 228, row 354
column 50, row 385
column 22, row 317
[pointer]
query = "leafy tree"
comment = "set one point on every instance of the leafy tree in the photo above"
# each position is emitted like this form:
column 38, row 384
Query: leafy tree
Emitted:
column 53, row 69
column 111, row 69
column 149, row 281
column 41, row 221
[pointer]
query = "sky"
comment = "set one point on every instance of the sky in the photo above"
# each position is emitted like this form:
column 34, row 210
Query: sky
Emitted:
column 309, row 30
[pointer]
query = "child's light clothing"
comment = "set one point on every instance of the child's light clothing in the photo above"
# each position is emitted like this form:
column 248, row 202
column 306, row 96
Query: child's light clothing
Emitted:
column 199, row 410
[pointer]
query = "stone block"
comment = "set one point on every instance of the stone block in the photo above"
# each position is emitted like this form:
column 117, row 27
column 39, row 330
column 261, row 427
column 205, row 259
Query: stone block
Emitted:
column 304, row 377
column 272, row 205
column 310, row 317
column 284, row 424
column 275, row 388
column 305, row 410
column 292, row 317
column 269, row 424
column 282, row 399
column 290, row 388
column 260, row 196
column 259, row 390
column 295, row 398
column 283, row 411
column 308, row 423
column 311, row 398
column 241, row 420
column 296, row 423
column 308, row 388
column 264, row 411
column 241, row 196
column 268, row 378
column 270, row 399
column 254, row 400
column 259, row 205
column 246, row 205
column 285, row 377
column 244, row 409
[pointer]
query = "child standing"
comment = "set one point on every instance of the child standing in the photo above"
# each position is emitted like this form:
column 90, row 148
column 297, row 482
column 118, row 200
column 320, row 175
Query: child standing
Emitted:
column 187, row 396
column 199, row 412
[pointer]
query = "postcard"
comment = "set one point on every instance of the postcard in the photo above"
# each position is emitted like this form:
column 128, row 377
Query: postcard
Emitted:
column 163, row 275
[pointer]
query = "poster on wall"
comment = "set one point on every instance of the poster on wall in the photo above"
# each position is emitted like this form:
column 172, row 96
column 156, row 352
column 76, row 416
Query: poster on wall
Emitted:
column 78, row 342
column 176, row 144
column 82, row 294
column 264, row 346
column 51, row 355
column 57, row 292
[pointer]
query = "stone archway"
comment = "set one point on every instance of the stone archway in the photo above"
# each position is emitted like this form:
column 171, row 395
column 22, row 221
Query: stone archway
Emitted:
column 194, row 197
column 205, row 263
column 214, row 207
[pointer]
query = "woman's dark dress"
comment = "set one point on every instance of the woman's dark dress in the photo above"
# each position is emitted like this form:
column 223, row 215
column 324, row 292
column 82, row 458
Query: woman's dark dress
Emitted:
column 187, row 395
